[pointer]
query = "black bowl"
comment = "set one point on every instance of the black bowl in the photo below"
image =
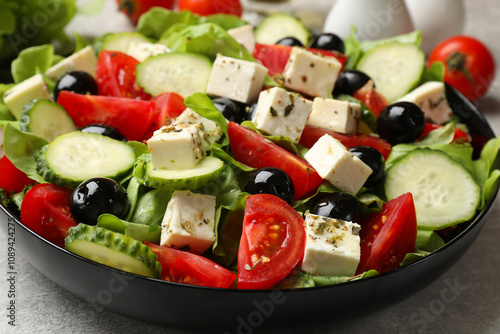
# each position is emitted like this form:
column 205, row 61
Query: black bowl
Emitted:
column 197, row 308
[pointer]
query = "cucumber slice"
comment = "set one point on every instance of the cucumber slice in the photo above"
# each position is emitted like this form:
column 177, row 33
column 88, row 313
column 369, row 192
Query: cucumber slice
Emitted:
column 178, row 179
column 395, row 68
column 112, row 249
column 75, row 157
column 444, row 191
column 182, row 73
column 277, row 26
column 121, row 41
column 46, row 119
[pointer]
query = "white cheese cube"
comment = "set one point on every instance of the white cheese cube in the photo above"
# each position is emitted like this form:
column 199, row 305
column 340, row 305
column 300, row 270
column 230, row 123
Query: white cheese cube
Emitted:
column 332, row 246
column 282, row 113
column 311, row 74
column 30, row 89
column 178, row 146
column 335, row 115
column 84, row 60
column 189, row 222
column 431, row 98
column 335, row 163
column 245, row 36
column 210, row 128
column 143, row 50
column 236, row 79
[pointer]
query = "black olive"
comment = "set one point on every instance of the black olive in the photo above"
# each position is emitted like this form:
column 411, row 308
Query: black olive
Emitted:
column 233, row 111
column 270, row 180
column 328, row 41
column 105, row 130
column 401, row 122
column 290, row 41
column 96, row 196
column 349, row 81
column 374, row 160
column 77, row 82
column 339, row 206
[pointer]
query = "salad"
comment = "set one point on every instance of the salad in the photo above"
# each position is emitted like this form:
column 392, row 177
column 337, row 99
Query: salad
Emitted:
column 204, row 151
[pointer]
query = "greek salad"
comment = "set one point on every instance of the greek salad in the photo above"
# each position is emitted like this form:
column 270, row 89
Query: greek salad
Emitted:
column 206, row 151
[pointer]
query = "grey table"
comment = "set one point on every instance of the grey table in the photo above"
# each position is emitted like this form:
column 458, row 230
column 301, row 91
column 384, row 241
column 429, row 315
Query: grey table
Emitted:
column 472, row 307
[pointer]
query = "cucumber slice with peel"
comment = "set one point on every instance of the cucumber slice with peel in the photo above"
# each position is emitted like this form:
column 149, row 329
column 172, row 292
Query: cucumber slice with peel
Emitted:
column 277, row 26
column 121, row 41
column 444, row 191
column 112, row 249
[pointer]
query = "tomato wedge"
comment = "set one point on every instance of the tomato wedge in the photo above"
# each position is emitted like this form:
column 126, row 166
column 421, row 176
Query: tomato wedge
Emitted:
column 272, row 242
column 311, row 134
column 387, row 236
column 184, row 267
column 167, row 107
column 11, row 178
column 256, row 151
column 131, row 117
column 371, row 98
column 45, row 210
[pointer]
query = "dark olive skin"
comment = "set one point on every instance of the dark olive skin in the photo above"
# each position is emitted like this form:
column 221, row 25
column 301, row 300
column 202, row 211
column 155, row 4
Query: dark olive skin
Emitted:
column 270, row 180
column 328, row 41
column 349, row 81
column 96, row 196
column 233, row 111
column 78, row 82
column 401, row 122
column 339, row 206
column 105, row 130
column 374, row 160
column 290, row 41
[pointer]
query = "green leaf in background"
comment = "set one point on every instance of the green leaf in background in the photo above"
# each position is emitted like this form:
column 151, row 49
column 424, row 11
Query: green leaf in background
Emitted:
column 80, row 42
column 91, row 7
column 7, row 21
column 157, row 20
column 36, row 59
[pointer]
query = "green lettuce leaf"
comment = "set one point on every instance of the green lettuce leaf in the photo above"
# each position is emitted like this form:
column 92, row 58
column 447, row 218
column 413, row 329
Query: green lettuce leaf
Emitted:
column 150, row 207
column 428, row 241
column 31, row 61
column 5, row 113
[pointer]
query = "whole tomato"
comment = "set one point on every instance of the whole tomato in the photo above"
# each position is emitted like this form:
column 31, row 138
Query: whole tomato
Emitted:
column 135, row 8
column 470, row 67
column 209, row 7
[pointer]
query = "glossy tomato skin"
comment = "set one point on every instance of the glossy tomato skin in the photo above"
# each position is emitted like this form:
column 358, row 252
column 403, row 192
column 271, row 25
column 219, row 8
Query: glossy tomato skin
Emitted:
column 11, row 178
column 470, row 66
column 45, row 210
column 168, row 106
column 209, row 7
column 272, row 242
column 135, row 8
column 387, row 236
column 184, row 267
column 371, row 98
column 256, row 151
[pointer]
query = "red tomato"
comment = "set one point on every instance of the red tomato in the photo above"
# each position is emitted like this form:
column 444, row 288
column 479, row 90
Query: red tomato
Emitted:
column 275, row 56
column 371, row 98
column 387, row 236
column 209, row 7
column 184, row 267
column 459, row 137
column 272, row 242
column 131, row 117
column 470, row 67
column 167, row 107
column 45, row 210
column 11, row 178
column 115, row 76
column 256, row 151
column 135, row 8
column 311, row 134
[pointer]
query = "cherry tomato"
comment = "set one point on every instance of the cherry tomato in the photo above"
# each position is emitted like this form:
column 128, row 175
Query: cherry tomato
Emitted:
column 11, row 178
column 256, row 151
column 130, row 117
column 311, row 134
column 209, row 7
column 135, row 8
column 167, row 107
column 272, row 242
column 470, row 67
column 387, row 236
column 45, row 210
column 371, row 98
column 115, row 76
column 184, row 267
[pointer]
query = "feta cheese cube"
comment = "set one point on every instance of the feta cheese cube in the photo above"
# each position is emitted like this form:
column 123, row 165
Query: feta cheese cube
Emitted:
column 30, row 89
column 335, row 163
column 210, row 128
column 311, row 74
column 282, row 113
column 189, row 222
column 335, row 115
column 332, row 246
column 236, row 79
column 178, row 146
column 84, row 60
column 245, row 36
column 143, row 50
